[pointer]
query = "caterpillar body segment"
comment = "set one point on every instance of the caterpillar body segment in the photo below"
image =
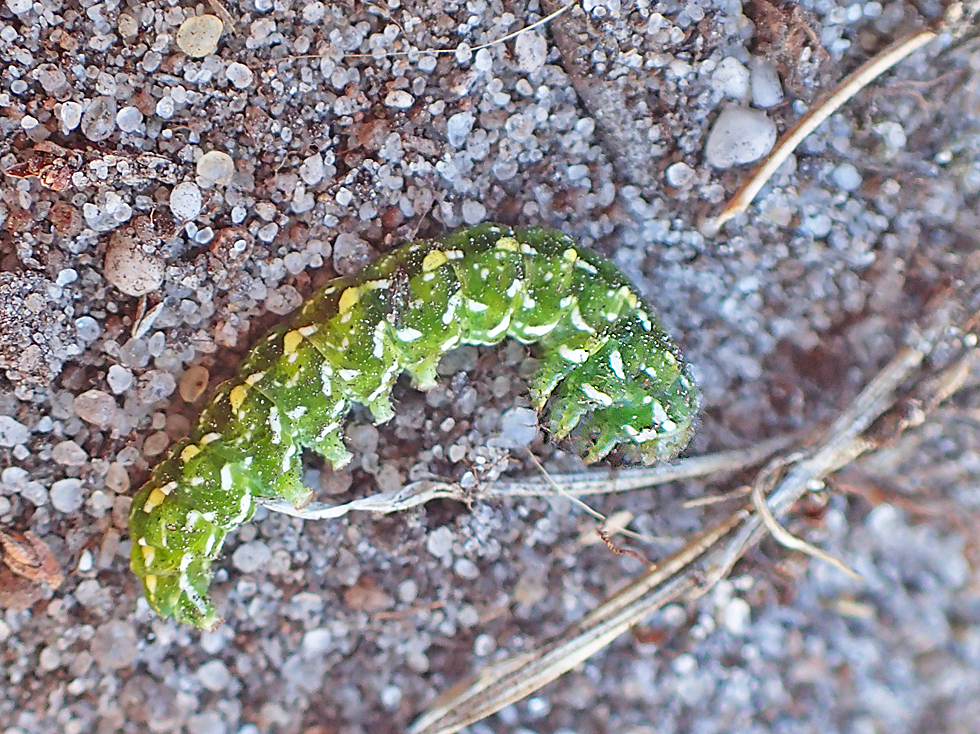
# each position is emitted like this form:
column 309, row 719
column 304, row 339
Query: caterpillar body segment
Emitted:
column 610, row 372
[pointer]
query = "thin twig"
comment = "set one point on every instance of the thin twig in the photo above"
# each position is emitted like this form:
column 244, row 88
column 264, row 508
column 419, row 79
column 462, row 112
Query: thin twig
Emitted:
column 693, row 570
column 852, row 84
column 573, row 485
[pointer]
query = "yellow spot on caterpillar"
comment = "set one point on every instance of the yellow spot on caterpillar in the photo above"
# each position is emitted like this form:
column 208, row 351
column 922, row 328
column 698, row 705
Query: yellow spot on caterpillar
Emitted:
column 507, row 243
column 290, row 342
column 237, row 396
column 151, row 584
column 189, row 452
column 208, row 438
column 432, row 261
column 148, row 554
column 570, row 254
column 254, row 377
column 348, row 299
column 154, row 500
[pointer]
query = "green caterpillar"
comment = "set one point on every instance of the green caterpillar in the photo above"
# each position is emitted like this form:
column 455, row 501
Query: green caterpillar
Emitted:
column 602, row 353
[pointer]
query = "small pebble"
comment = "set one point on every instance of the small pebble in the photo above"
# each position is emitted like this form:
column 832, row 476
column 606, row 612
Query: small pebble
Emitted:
column 214, row 675
column 458, row 128
column 767, row 91
column 532, row 51
column 473, row 212
column 847, row 177
column 680, row 175
column 520, row 426
column 399, row 99
column 96, row 407
column 71, row 115
column 19, row 7
column 129, row 119
column 12, row 432
column 114, row 645
column 117, row 478
column 250, row 557
column 131, row 270
column 193, row 383
column 68, row 453
column 119, row 379
column 731, row 78
column 217, row 167
column 66, row 495
column 440, row 541
column 739, row 136
column 198, row 35
column 312, row 170
column 99, row 120
column 186, row 201
column 239, row 75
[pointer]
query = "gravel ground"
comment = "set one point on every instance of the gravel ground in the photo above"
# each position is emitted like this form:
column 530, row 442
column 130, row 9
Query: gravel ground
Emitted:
column 168, row 195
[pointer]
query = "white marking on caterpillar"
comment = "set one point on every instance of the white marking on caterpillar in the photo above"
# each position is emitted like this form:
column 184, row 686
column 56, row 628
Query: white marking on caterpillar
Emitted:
column 578, row 356
column 348, row 375
column 296, row 413
column 540, row 330
column 476, row 306
column 499, row 328
column 616, row 364
column 597, row 396
column 275, row 424
column 226, row 478
column 408, row 334
column 578, row 322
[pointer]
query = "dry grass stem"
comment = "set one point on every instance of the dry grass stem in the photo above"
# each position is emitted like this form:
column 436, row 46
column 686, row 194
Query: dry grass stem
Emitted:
column 791, row 140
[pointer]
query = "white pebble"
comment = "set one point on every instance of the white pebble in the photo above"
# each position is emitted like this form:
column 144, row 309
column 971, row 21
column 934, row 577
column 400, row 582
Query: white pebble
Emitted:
column 532, row 51
column 186, row 201
column 165, row 107
column 71, row 115
column 314, row 12
column 19, row 7
column 731, row 78
column 28, row 123
column 214, row 675
column 198, row 35
column 129, row 119
column 520, row 425
column 440, row 541
column 847, row 177
column 119, row 379
column 251, row 557
column 131, row 270
column 767, row 91
column 680, row 175
column 399, row 99
column 217, row 167
column 99, row 120
column 312, row 170
column 239, row 75
column 473, row 212
column 66, row 495
column 458, row 128
column 12, row 432
column 739, row 136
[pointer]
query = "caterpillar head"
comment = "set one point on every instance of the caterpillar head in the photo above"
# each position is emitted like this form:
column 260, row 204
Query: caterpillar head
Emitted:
column 635, row 391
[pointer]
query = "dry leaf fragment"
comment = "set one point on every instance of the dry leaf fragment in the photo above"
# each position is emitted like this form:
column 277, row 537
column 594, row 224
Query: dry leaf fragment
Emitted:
column 29, row 556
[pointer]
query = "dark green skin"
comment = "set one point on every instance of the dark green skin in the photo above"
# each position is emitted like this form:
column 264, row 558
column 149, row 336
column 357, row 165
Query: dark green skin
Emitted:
column 611, row 372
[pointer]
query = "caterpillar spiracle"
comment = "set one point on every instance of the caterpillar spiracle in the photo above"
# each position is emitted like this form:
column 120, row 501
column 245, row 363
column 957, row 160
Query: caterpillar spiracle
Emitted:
column 610, row 370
